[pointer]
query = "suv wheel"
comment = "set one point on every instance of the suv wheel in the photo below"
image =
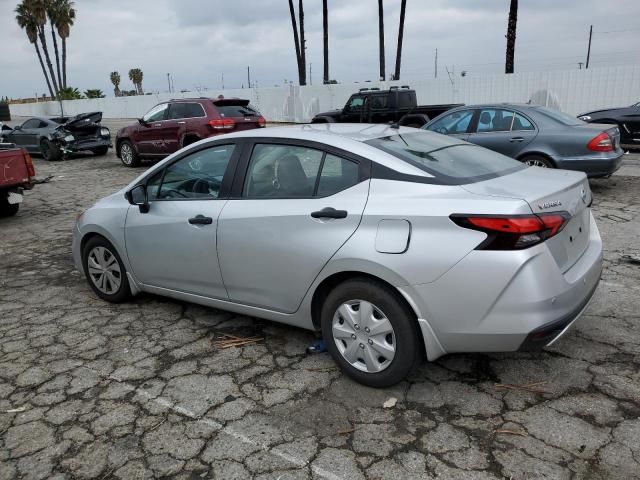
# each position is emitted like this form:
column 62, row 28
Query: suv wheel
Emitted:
column 370, row 332
column 128, row 154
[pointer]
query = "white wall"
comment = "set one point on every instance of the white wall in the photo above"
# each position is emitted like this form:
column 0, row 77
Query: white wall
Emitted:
column 572, row 91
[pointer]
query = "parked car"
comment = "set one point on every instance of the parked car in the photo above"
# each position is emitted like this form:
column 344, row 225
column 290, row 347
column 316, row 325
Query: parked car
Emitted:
column 536, row 136
column 53, row 138
column 16, row 175
column 171, row 125
column 381, row 238
column 627, row 119
column 372, row 105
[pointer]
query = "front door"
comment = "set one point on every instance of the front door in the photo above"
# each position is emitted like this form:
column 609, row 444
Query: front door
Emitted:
column 149, row 134
column 173, row 245
column 503, row 131
column 26, row 136
column 298, row 206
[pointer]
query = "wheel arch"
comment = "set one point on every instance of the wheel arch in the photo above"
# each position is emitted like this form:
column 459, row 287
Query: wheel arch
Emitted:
column 537, row 153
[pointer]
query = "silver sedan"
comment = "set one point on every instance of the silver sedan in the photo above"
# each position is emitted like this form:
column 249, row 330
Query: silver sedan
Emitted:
column 395, row 243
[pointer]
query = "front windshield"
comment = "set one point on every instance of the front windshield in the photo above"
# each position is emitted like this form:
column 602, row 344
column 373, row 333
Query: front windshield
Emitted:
column 455, row 163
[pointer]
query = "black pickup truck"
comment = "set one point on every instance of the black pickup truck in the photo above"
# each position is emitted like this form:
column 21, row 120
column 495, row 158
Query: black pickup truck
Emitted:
column 372, row 105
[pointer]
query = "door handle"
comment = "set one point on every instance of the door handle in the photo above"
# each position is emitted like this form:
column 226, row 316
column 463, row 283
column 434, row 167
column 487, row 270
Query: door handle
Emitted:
column 329, row 212
column 181, row 123
column 157, row 125
column 201, row 220
column 516, row 139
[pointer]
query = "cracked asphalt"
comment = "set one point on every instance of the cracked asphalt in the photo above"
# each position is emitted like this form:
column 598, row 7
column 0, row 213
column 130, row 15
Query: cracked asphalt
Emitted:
column 139, row 390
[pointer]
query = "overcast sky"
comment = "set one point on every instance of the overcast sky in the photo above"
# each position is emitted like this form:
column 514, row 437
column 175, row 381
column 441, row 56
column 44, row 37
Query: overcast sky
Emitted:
column 198, row 40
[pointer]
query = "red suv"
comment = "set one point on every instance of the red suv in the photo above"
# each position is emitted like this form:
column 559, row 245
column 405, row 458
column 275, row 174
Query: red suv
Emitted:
column 171, row 125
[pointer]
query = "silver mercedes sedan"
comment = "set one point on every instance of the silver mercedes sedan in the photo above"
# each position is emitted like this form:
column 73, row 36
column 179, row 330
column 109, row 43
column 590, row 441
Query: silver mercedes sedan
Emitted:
column 394, row 243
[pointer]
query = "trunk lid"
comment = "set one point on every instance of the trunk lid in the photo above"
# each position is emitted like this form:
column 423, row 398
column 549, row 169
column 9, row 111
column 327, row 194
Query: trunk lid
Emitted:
column 83, row 119
column 548, row 191
column 244, row 115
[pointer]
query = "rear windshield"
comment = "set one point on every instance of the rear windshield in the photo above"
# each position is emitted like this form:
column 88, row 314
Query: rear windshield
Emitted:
column 237, row 110
column 558, row 116
column 456, row 163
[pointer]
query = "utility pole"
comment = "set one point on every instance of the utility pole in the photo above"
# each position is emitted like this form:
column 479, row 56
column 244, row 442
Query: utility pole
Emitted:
column 169, row 82
column 589, row 48
column 310, row 73
column 222, row 80
column 436, row 65
column 249, row 77
column 580, row 65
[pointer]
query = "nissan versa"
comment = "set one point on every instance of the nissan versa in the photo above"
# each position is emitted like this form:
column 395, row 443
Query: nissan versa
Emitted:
column 393, row 242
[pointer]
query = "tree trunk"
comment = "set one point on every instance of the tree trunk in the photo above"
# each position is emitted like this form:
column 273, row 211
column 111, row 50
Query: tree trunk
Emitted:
column 303, row 46
column 44, row 70
column 296, row 40
column 43, row 40
column 57, row 53
column 64, row 62
column 511, row 37
column 403, row 7
column 325, row 41
column 381, row 37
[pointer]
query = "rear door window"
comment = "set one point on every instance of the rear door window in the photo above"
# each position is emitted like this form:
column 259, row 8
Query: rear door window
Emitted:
column 456, row 164
column 520, row 123
column 185, row 110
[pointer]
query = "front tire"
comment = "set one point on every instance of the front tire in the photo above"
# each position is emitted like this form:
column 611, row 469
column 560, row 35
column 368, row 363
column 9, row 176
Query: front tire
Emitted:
column 370, row 332
column 100, row 151
column 49, row 151
column 105, row 272
column 7, row 209
column 128, row 154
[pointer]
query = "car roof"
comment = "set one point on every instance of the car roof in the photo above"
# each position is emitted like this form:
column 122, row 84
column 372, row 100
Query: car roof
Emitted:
column 350, row 137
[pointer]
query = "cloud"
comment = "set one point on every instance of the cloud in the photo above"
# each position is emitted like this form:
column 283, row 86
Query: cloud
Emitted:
column 199, row 40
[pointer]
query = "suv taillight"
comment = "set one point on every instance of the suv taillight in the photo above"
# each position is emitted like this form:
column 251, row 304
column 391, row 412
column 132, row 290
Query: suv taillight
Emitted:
column 262, row 122
column 513, row 232
column 601, row 143
column 222, row 123
column 31, row 171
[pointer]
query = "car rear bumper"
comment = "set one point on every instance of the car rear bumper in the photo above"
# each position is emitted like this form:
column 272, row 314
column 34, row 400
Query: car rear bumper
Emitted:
column 496, row 301
column 86, row 145
column 593, row 167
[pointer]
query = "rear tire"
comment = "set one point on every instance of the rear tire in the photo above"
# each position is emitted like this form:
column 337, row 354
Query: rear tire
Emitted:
column 49, row 151
column 128, row 154
column 7, row 209
column 105, row 272
column 378, row 349
column 100, row 151
column 537, row 161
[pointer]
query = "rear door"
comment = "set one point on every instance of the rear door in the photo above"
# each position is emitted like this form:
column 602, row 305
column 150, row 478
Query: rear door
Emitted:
column 503, row 131
column 296, row 206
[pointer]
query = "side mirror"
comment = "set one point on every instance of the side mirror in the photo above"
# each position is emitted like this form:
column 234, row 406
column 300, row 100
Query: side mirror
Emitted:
column 18, row 127
column 143, row 122
column 138, row 196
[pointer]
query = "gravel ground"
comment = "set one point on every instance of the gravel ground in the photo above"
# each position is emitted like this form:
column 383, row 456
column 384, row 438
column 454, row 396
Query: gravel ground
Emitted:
column 93, row 390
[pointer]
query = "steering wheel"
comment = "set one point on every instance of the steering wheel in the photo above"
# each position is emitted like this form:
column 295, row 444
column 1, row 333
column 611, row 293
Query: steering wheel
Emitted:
column 206, row 184
column 442, row 130
column 173, row 192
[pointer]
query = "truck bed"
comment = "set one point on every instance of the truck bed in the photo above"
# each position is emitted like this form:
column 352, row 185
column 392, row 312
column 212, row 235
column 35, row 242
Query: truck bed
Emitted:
column 16, row 168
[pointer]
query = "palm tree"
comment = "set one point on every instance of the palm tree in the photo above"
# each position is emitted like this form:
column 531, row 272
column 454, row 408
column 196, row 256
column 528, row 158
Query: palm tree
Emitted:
column 403, row 8
column 69, row 93
column 136, row 75
column 511, row 37
column 300, row 55
column 381, row 37
column 94, row 93
column 115, row 79
column 39, row 10
column 25, row 20
column 325, row 41
column 65, row 16
column 52, row 7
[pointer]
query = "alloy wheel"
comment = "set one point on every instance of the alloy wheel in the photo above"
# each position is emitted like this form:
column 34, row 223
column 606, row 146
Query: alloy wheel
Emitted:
column 534, row 162
column 126, row 153
column 104, row 270
column 364, row 336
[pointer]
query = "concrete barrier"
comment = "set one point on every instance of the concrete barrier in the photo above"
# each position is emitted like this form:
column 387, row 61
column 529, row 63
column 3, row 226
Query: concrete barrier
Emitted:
column 572, row 91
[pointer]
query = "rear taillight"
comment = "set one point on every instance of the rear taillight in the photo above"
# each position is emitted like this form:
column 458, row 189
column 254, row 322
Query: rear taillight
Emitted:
column 262, row 122
column 222, row 123
column 513, row 232
column 29, row 163
column 601, row 143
